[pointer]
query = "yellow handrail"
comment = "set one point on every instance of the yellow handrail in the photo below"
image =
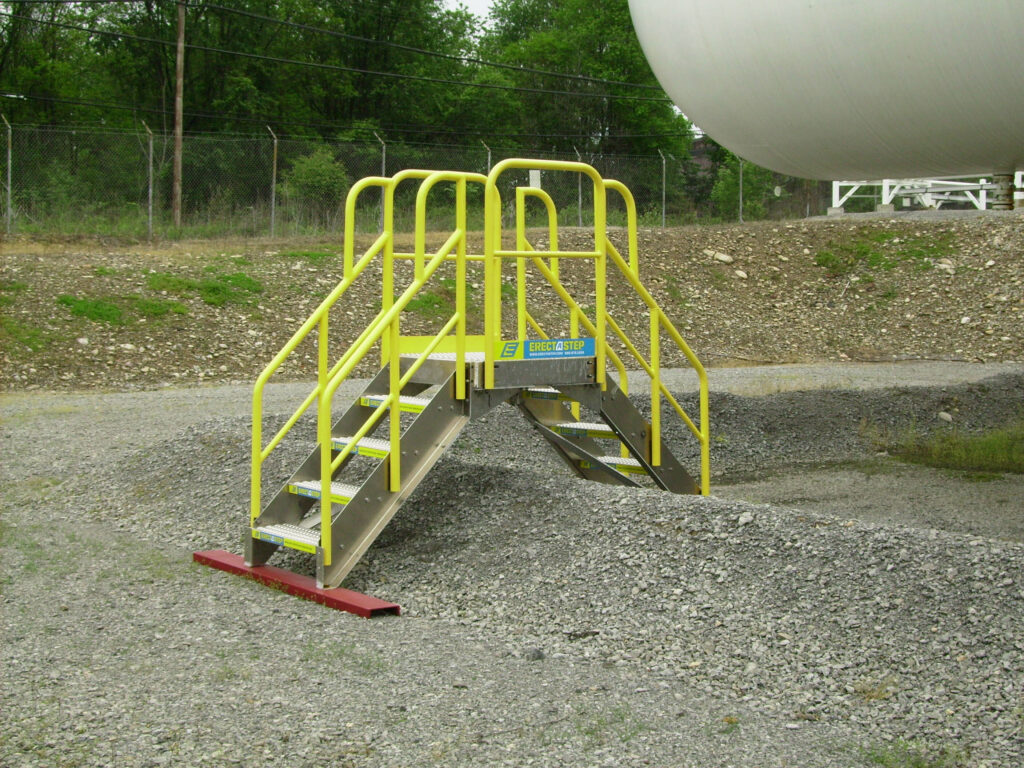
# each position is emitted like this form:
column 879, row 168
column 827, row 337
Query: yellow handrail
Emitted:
column 385, row 327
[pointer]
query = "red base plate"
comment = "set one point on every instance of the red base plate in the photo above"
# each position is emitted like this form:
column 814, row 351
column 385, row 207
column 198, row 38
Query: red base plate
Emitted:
column 296, row 584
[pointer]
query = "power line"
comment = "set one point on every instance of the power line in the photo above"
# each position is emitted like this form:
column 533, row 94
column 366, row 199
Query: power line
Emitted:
column 338, row 67
column 437, row 54
column 264, row 119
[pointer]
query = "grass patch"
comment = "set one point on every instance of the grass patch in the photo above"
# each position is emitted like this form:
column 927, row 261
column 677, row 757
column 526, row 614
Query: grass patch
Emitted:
column 97, row 310
column 904, row 754
column 881, row 250
column 164, row 281
column 999, row 450
column 158, row 307
column 314, row 257
column 16, row 334
column 104, row 271
column 432, row 306
column 8, row 290
column 216, row 291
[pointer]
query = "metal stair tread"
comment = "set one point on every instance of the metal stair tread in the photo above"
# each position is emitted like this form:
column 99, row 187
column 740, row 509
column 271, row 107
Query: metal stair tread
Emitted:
column 585, row 427
column 293, row 532
column 545, row 393
column 313, row 489
column 626, row 462
column 471, row 357
column 372, row 445
column 405, row 402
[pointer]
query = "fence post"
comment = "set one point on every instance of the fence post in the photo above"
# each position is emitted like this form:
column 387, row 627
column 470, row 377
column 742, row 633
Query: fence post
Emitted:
column 662, row 188
column 741, row 188
column 383, row 173
column 488, row 157
column 149, row 181
column 579, row 190
column 273, row 184
column 9, row 142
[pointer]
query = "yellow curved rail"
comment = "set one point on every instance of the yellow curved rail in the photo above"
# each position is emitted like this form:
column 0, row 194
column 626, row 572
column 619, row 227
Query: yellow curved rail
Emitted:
column 385, row 327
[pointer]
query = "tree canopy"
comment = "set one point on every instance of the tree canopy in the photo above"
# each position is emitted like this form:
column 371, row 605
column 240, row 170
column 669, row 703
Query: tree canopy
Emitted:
column 543, row 74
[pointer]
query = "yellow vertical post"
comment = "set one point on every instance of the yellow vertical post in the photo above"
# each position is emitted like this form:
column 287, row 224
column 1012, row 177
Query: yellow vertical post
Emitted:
column 395, row 426
column 600, row 277
column 323, row 437
column 492, row 276
column 388, row 263
column 655, row 387
column 460, row 290
column 521, row 245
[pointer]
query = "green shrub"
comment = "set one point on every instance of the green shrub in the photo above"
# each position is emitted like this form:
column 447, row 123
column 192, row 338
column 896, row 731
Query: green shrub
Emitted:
column 318, row 181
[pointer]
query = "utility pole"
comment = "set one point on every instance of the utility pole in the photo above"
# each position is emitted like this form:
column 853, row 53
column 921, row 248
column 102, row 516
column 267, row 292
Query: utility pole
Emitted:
column 179, row 87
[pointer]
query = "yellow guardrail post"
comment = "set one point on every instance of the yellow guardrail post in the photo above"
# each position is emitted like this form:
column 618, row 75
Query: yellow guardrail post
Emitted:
column 627, row 196
column 386, row 326
column 460, row 290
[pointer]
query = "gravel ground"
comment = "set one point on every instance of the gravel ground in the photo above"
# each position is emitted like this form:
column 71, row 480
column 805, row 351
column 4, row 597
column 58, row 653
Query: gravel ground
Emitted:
column 546, row 621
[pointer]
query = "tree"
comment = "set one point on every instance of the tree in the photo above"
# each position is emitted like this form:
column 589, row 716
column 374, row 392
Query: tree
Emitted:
column 318, row 181
column 758, row 185
column 589, row 40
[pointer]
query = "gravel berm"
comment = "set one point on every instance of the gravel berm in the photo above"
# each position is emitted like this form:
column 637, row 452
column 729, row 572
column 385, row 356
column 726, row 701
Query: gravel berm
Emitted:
column 546, row 621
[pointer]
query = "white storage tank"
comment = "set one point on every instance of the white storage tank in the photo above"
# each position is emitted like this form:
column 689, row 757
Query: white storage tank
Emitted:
column 847, row 89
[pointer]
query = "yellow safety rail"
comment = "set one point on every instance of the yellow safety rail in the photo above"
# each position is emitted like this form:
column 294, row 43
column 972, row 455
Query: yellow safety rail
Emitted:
column 385, row 326
column 659, row 321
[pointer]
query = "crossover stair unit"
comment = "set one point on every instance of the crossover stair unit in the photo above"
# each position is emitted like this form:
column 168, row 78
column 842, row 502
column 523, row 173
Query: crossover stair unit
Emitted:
column 369, row 459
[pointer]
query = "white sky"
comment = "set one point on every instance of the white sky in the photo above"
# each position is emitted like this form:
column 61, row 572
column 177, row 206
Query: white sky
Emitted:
column 478, row 7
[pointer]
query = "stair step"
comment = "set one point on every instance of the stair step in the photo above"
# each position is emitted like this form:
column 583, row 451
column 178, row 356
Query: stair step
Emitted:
column 341, row 493
column 583, row 429
column 628, row 466
column 406, row 404
column 546, row 393
column 446, row 357
column 368, row 446
column 290, row 536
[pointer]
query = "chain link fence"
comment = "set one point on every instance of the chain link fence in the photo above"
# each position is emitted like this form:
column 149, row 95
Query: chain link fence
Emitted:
column 76, row 181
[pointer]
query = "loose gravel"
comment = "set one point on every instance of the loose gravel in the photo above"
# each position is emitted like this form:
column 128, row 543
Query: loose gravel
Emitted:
column 546, row 620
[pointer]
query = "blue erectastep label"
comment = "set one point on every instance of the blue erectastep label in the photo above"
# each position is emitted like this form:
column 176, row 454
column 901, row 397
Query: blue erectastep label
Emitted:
column 538, row 349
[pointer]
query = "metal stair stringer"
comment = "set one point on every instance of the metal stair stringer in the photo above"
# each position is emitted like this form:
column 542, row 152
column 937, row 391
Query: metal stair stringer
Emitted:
column 579, row 452
column 583, row 455
column 361, row 520
column 619, row 413
column 289, row 508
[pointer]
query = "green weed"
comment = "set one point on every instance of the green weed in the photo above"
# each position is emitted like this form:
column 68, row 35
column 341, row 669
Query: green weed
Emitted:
column 242, row 282
column 881, row 250
column 618, row 723
column 903, row 754
column 15, row 335
column 431, row 305
column 8, row 290
column 999, row 450
column 104, row 271
column 876, row 690
column 216, row 291
column 159, row 307
column 164, row 281
column 97, row 310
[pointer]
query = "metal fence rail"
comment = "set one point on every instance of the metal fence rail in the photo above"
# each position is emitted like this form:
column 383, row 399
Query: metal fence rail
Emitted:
column 87, row 181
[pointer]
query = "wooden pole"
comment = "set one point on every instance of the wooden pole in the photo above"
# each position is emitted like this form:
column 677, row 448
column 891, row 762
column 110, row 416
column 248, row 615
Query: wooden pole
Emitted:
column 179, row 78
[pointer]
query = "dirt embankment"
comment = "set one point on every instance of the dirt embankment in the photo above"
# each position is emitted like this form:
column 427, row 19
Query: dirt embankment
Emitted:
column 93, row 313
